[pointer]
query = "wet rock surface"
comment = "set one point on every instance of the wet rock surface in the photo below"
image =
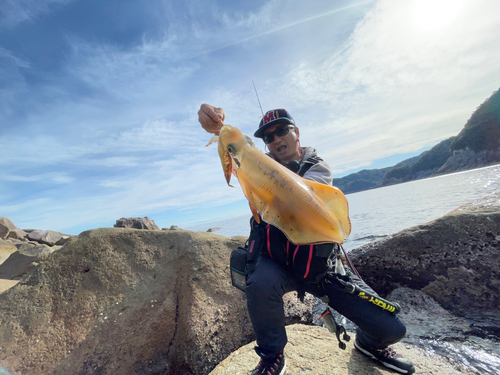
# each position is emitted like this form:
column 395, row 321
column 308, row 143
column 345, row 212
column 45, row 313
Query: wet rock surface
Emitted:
column 453, row 259
column 446, row 276
column 471, row 340
column 314, row 351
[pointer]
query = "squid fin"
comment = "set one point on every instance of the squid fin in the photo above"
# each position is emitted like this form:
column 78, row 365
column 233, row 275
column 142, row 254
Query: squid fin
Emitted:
column 255, row 213
column 335, row 200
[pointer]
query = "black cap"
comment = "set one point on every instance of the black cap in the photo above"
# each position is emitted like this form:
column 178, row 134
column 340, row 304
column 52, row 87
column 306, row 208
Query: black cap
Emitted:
column 273, row 117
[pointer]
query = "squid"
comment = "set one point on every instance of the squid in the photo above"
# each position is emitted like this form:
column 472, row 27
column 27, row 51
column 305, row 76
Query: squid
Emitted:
column 307, row 212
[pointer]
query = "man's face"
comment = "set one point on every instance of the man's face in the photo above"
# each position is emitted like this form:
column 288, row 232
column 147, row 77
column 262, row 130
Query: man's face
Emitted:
column 285, row 148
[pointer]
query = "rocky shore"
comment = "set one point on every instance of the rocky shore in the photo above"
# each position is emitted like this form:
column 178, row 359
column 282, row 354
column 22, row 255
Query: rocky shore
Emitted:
column 148, row 301
column 453, row 259
column 22, row 249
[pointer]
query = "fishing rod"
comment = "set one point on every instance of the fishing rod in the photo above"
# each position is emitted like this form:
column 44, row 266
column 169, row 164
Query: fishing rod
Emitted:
column 256, row 94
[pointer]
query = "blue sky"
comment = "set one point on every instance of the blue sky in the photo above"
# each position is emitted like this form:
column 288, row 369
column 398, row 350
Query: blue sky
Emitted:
column 99, row 99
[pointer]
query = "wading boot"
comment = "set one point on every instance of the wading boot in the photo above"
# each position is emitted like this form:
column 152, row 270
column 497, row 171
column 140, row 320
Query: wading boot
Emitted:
column 270, row 364
column 388, row 357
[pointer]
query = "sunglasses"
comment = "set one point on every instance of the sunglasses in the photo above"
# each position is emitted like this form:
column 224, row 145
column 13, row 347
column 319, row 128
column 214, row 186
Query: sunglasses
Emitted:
column 280, row 132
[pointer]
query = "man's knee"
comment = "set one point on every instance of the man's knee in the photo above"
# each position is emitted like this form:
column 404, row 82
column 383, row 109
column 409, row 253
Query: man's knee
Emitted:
column 264, row 286
column 398, row 330
column 268, row 279
column 386, row 332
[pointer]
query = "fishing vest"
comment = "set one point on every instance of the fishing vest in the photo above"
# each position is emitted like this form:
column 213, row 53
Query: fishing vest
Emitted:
column 309, row 263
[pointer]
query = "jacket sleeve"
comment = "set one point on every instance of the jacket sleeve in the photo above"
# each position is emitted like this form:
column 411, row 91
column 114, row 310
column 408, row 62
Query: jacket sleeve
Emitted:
column 320, row 172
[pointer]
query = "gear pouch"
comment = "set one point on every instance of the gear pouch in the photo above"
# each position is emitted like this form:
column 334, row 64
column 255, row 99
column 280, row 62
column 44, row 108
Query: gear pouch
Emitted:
column 238, row 263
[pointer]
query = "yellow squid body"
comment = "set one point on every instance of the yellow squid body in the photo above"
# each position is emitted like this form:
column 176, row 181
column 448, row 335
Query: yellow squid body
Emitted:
column 306, row 211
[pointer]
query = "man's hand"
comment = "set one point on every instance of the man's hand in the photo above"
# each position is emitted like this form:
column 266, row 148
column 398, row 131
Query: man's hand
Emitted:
column 210, row 118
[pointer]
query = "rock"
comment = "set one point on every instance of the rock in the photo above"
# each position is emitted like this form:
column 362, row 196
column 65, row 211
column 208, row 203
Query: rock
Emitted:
column 296, row 311
column 137, row 223
column 6, row 248
column 17, row 243
column 213, row 229
column 314, row 350
column 172, row 227
column 424, row 317
column 23, row 260
column 120, row 301
column 17, row 234
column 453, row 259
column 123, row 301
column 48, row 237
column 6, row 226
column 5, row 285
column 466, row 159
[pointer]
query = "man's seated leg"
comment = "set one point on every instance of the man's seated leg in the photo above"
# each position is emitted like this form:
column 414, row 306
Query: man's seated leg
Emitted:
column 377, row 328
column 265, row 289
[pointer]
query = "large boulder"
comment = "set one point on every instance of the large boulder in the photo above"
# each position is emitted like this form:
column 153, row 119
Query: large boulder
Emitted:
column 24, row 260
column 48, row 237
column 6, row 248
column 5, row 285
column 137, row 223
column 123, row 301
column 17, row 234
column 453, row 259
column 313, row 350
column 6, row 226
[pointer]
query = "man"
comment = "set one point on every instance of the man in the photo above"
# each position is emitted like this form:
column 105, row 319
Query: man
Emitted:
column 280, row 267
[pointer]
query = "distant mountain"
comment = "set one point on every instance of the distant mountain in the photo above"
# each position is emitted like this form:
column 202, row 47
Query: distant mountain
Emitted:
column 427, row 164
column 367, row 178
column 476, row 146
column 362, row 180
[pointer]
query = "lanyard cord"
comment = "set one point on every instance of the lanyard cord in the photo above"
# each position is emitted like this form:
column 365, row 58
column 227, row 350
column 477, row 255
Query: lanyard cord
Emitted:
column 350, row 263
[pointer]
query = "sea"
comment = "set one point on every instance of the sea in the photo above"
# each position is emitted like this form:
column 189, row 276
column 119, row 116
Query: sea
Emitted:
column 380, row 212
column 384, row 211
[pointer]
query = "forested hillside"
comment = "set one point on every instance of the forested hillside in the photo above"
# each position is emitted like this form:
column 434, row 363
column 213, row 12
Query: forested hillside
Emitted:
column 482, row 131
column 477, row 145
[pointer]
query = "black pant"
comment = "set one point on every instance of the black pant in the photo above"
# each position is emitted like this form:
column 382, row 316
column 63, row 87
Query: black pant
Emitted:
column 266, row 286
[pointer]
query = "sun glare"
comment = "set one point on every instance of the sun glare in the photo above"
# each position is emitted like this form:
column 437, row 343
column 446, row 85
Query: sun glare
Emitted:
column 432, row 14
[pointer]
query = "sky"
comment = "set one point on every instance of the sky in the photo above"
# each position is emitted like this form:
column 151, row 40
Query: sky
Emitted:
column 99, row 98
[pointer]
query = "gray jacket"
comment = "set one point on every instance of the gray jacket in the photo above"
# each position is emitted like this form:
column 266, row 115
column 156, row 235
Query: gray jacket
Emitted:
column 319, row 172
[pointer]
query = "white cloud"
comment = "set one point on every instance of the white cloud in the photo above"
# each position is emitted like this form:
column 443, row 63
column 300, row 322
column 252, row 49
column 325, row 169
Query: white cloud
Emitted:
column 114, row 161
column 160, row 135
column 28, row 205
column 13, row 12
column 129, row 74
column 187, row 185
column 133, row 146
column 394, row 88
column 35, row 150
column 54, row 177
column 8, row 55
